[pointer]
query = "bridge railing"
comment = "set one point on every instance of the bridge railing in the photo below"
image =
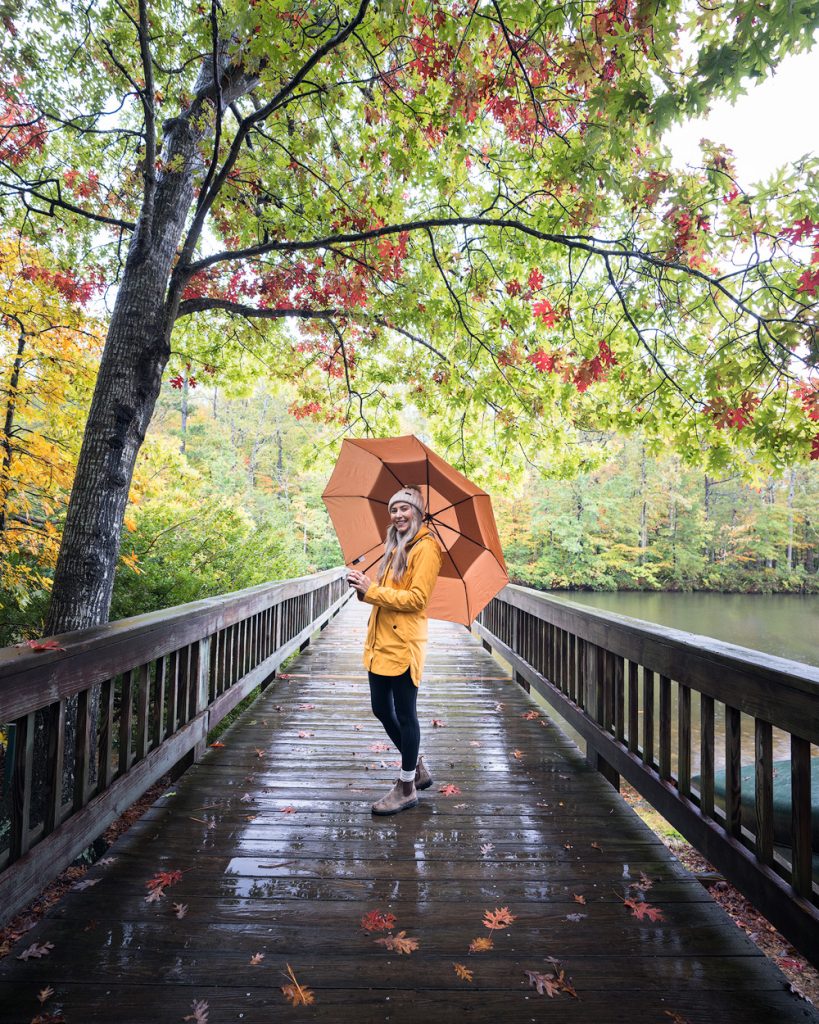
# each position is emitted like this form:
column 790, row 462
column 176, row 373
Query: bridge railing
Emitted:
column 628, row 688
column 92, row 725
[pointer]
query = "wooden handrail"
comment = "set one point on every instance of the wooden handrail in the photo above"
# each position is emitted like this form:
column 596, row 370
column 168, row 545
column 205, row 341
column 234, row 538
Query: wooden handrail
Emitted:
column 117, row 706
column 616, row 680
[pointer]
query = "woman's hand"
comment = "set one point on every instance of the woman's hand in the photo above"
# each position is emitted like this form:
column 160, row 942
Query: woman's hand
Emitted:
column 358, row 581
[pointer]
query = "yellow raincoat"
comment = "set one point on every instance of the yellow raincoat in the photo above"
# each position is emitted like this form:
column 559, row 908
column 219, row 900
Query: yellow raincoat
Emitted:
column 397, row 632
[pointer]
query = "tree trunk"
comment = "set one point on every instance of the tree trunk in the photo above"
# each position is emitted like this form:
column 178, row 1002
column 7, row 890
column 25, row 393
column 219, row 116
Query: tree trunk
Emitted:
column 133, row 360
column 8, row 429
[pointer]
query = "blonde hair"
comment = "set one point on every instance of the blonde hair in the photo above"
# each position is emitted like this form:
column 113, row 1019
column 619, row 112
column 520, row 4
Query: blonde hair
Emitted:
column 396, row 544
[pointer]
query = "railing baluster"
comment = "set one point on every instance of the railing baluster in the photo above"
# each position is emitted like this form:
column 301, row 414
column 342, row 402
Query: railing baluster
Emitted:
column 619, row 698
column 82, row 751
column 21, row 787
column 143, row 697
column 126, row 720
column 802, row 864
column 733, row 763
column 684, row 739
column 633, row 707
column 55, row 755
column 106, row 732
column 665, row 728
column 648, row 717
column 707, row 755
column 763, row 790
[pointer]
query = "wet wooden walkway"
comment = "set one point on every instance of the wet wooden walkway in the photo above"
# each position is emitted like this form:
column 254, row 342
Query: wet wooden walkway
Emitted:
column 281, row 859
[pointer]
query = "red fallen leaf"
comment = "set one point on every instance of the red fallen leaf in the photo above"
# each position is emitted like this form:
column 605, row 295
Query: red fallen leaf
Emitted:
column 218, row 744
column 288, row 810
column 283, row 675
column 530, row 716
column 438, row 723
column 644, row 911
column 375, row 921
column 449, row 790
column 379, row 748
column 790, row 963
column 162, row 879
column 500, row 917
column 44, row 645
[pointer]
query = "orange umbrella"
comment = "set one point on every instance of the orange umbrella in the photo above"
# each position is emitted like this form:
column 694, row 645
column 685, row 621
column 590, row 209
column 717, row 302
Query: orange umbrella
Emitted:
column 366, row 476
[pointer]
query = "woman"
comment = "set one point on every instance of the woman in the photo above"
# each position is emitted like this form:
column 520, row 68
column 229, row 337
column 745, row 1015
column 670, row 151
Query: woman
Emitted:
column 397, row 636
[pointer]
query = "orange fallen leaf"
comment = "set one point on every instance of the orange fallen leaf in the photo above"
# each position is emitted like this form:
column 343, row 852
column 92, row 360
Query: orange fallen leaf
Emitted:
column 375, row 921
column 449, row 790
column 463, row 972
column 500, row 917
column 298, row 994
column 644, row 911
column 217, row 745
column 579, row 899
column 518, row 754
column 544, row 984
column 481, row 945
column 597, row 846
column 400, row 943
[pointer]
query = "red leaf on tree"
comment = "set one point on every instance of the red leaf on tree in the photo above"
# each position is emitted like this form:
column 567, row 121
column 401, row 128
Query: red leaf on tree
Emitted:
column 814, row 448
column 513, row 288
column 542, row 362
column 535, row 279
column 544, row 311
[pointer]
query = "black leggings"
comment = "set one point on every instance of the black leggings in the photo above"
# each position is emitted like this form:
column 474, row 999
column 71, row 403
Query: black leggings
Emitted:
column 393, row 701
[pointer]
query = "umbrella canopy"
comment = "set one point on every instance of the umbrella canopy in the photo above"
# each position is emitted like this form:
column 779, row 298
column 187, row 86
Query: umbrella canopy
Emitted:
column 366, row 476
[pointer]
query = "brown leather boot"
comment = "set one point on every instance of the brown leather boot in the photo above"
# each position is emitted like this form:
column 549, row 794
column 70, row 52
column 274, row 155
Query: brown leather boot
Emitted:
column 423, row 780
column 395, row 800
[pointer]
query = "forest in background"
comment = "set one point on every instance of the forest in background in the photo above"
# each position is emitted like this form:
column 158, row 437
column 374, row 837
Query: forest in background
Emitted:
column 227, row 490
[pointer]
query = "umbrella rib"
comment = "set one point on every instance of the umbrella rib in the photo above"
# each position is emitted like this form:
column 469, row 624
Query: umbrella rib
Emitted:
column 457, row 570
column 460, row 501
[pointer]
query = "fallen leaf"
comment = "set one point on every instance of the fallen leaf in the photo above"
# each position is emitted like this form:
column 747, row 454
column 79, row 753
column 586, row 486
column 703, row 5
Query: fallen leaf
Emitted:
column 358, row 728
column 544, row 984
column 676, row 1018
column 379, row 748
column 579, row 899
column 287, row 810
column 500, row 917
column 303, row 707
column 44, row 645
column 438, row 723
column 200, row 1012
column 474, row 743
column 261, row 753
column 256, row 959
column 155, row 895
column 296, row 993
column 449, row 790
column 463, row 972
column 400, row 943
column 487, row 848
column 518, row 754
column 85, row 883
column 180, row 909
column 305, row 734
column 35, row 951
column 48, row 1018
column 597, row 846
column 575, row 917
column 481, row 945
column 45, row 993
column 162, row 879
column 375, row 921
column 106, row 861
column 644, row 911
column 247, row 798
column 218, row 745
column 530, row 716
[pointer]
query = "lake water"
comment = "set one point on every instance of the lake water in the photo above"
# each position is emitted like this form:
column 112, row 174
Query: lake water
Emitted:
column 783, row 624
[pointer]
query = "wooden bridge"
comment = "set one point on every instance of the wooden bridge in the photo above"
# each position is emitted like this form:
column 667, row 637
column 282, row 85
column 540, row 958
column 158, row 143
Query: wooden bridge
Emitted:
column 258, row 867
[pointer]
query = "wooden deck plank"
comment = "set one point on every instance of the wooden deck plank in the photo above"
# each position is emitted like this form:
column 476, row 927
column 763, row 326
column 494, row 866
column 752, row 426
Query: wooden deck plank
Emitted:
column 280, row 855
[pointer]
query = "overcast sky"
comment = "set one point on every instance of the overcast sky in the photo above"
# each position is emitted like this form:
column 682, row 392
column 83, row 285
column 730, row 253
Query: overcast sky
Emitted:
column 774, row 124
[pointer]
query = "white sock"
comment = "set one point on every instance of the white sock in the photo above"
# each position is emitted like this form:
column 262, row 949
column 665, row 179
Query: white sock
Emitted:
column 407, row 776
